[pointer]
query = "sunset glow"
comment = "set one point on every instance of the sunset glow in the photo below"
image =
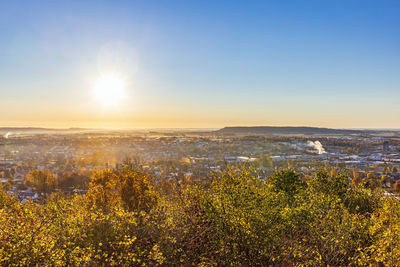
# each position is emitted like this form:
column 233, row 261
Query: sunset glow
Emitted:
column 138, row 64
column 109, row 90
column 200, row 133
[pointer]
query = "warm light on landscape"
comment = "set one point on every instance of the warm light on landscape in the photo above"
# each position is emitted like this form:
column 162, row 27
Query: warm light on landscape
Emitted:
column 200, row 133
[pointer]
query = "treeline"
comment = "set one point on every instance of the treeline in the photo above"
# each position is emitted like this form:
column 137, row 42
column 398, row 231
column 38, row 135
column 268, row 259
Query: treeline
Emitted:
column 127, row 218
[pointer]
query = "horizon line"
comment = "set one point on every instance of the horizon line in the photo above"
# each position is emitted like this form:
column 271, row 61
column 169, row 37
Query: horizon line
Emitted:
column 188, row 128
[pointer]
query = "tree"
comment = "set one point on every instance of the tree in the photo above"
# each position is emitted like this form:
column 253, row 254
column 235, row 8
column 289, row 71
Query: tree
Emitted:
column 372, row 181
column 385, row 179
column 135, row 190
column 237, row 220
column 44, row 181
column 356, row 174
column 324, row 182
column 396, row 186
column 73, row 179
column 287, row 181
column 130, row 188
column 356, row 181
column 102, row 193
column 370, row 176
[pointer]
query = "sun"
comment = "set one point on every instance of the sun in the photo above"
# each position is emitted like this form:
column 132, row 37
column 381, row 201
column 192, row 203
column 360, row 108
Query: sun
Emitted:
column 109, row 90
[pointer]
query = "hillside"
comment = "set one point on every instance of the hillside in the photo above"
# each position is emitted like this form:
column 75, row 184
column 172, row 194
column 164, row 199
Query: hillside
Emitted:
column 284, row 130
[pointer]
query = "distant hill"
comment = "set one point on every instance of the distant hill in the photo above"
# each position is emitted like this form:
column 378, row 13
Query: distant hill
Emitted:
column 285, row 130
column 38, row 130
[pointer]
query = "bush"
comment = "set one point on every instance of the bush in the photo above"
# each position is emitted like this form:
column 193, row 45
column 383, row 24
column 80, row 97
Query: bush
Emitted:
column 237, row 220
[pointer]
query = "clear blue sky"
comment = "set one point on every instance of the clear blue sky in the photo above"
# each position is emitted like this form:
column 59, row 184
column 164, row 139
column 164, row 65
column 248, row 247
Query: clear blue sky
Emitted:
column 202, row 63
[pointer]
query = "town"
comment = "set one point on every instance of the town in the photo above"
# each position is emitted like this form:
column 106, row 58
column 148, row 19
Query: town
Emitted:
column 73, row 157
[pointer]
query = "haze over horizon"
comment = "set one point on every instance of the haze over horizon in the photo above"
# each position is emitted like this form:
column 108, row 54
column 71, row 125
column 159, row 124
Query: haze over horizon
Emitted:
column 27, row 128
column 191, row 64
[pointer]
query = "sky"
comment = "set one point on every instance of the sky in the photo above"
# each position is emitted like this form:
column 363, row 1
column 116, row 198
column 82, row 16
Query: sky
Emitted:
column 333, row 63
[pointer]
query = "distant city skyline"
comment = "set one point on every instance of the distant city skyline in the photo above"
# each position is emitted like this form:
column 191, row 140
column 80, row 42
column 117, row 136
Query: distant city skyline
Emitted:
column 200, row 64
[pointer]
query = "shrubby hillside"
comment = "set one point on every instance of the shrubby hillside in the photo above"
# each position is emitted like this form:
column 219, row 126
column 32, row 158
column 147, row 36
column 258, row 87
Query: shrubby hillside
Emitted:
column 127, row 218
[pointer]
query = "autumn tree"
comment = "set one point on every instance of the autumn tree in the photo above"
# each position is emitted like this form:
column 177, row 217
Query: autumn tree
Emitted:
column 396, row 186
column 130, row 188
column 135, row 190
column 356, row 181
column 237, row 219
column 372, row 181
column 73, row 179
column 386, row 180
column 44, row 181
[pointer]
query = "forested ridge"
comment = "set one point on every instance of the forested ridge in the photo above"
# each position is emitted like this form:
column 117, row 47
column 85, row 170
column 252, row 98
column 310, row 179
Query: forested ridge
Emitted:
column 232, row 218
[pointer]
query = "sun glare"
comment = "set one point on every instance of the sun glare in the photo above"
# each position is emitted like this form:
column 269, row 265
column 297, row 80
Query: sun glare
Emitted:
column 109, row 90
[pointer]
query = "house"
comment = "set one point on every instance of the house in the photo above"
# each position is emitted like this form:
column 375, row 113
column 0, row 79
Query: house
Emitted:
column 24, row 196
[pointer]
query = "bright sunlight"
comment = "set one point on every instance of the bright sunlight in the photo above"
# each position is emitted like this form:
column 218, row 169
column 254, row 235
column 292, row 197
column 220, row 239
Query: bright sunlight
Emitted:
column 109, row 90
